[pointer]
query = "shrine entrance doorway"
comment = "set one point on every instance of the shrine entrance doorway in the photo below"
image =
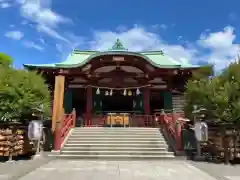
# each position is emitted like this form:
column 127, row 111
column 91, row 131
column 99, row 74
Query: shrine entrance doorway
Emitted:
column 117, row 102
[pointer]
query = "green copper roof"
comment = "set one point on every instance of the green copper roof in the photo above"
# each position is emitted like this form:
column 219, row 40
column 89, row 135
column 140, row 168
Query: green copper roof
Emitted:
column 78, row 58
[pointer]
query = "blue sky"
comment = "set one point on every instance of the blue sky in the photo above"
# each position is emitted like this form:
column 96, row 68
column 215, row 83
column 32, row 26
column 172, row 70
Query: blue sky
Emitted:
column 45, row 31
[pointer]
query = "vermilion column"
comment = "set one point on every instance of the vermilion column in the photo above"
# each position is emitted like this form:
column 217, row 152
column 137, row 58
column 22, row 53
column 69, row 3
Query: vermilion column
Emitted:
column 58, row 100
column 88, row 107
column 146, row 100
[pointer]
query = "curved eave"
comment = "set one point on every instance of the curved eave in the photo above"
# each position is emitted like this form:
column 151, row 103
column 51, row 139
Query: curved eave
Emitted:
column 39, row 66
column 127, row 53
column 64, row 64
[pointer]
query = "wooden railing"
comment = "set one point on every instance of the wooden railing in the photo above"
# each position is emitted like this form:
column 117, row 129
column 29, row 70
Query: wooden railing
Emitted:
column 143, row 121
column 68, row 122
column 172, row 125
column 133, row 121
column 63, row 128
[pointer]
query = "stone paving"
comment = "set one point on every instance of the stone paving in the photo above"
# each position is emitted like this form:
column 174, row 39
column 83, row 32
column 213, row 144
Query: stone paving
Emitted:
column 220, row 171
column 46, row 168
column 16, row 169
column 117, row 170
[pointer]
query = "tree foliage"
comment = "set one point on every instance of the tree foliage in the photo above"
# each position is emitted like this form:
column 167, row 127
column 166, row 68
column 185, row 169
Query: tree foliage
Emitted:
column 203, row 72
column 5, row 60
column 219, row 95
column 21, row 92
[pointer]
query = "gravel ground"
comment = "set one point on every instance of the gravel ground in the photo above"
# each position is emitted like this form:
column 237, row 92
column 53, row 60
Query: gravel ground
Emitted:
column 16, row 169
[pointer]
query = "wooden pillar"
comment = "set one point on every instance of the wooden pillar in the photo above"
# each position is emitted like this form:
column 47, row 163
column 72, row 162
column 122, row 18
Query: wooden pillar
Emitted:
column 146, row 100
column 89, row 106
column 58, row 100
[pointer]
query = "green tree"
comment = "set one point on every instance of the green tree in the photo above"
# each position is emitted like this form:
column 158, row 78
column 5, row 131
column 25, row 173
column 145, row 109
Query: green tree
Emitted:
column 196, row 93
column 21, row 92
column 5, row 60
column 219, row 95
column 203, row 72
column 231, row 77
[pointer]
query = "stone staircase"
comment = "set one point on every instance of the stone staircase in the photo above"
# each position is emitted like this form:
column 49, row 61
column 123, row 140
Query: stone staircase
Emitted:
column 116, row 143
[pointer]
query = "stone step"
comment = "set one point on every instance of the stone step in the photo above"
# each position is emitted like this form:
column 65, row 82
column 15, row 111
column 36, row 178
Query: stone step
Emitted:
column 117, row 139
column 79, row 141
column 95, row 133
column 117, row 129
column 113, row 152
column 116, row 136
column 116, row 148
column 107, row 145
column 113, row 157
column 116, row 143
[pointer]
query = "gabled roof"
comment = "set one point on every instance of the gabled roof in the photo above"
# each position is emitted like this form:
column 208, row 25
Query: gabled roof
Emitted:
column 78, row 58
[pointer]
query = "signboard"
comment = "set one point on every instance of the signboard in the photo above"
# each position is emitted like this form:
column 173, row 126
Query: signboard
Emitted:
column 118, row 59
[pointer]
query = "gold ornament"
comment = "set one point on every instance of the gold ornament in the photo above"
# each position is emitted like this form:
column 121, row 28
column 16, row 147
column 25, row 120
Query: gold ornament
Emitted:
column 129, row 93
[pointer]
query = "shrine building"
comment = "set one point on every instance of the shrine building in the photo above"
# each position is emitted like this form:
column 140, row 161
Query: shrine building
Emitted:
column 115, row 82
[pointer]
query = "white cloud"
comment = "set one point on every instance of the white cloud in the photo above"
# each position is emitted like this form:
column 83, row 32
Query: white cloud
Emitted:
column 218, row 40
column 138, row 39
column 163, row 26
column 30, row 44
column 5, row 5
column 43, row 41
column 220, row 45
column 40, row 12
column 74, row 40
column 222, row 48
column 50, row 32
column 59, row 47
column 42, row 17
column 16, row 35
column 64, row 48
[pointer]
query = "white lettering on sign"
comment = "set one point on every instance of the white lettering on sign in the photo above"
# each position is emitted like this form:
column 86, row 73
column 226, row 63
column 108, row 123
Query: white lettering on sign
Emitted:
column 118, row 59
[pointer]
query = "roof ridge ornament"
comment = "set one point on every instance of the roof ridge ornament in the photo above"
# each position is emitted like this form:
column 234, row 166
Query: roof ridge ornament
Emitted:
column 118, row 46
